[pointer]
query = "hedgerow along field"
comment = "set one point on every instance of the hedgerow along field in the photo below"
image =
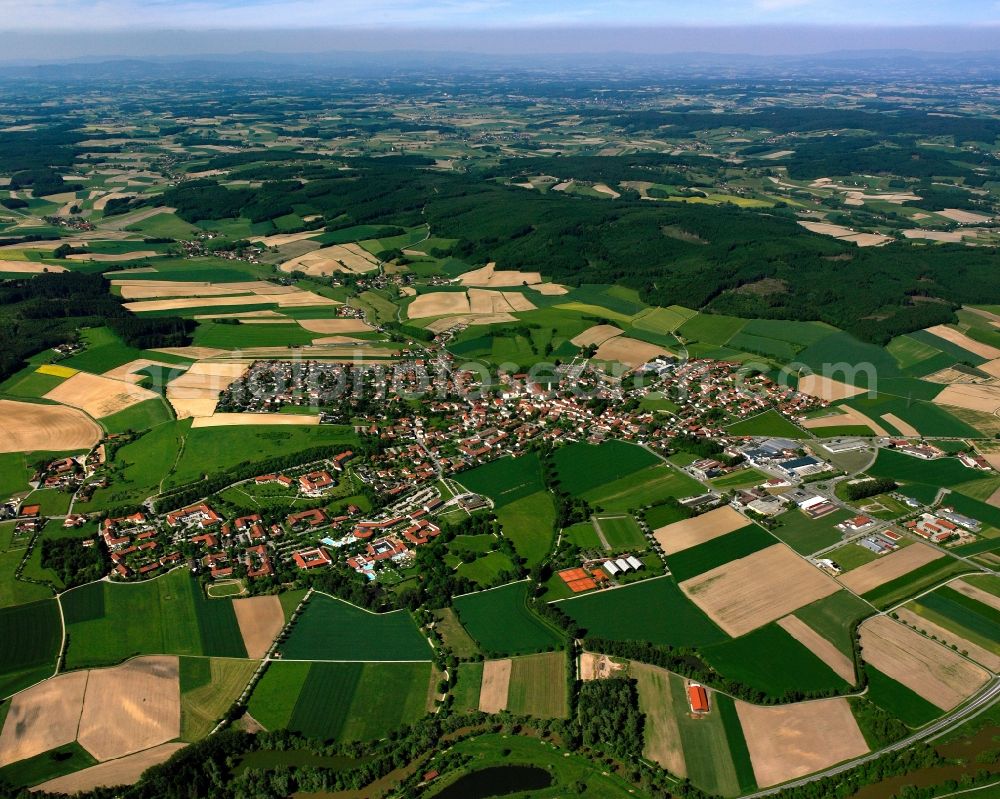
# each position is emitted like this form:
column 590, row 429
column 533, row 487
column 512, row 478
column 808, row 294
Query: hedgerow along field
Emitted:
column 342, row 701
column 331, row 629
column 109, row 622
column 501, row 624
column 31, row 636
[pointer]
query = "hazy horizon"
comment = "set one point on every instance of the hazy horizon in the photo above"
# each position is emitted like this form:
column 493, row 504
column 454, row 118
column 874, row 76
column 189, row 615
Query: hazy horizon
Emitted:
column 46, row 46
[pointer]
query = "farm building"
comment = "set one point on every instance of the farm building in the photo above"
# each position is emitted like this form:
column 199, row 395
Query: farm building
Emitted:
column 698, row 698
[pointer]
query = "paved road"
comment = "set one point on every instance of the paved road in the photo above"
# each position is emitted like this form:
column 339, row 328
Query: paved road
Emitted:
column 980, row 703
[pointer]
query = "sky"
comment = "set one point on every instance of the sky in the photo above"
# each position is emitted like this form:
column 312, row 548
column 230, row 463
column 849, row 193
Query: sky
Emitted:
column 52, row 30
column 85, row 15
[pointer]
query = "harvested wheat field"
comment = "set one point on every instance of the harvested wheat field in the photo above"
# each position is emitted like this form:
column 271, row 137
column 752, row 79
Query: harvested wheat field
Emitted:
column 123, row 771
column 293, row 299
column 440, row 325
column 598, row 667
column 28, row 426
column 261, row 619
column 483, row 301
column 982, row 398
column 495, row 685
column 603, row 188
column 127, row 372
column 194, row 353
column 122, row 256
column 135, row 217
column 888, row 567
column 131, row 707
column 978, row 594
column 826, row 389
column 244, row 419
column 628, row 351
column 279, row 239
column 99, row 396
column 745, row 594
column 688, row 533
column 934, row 235
column 963, row 217
column 196, row 392
column 990, row 367
column 850, row 416
column 329, row 260
column 788, row 741
column 595, row 335
column 489, row 277
column 335, row 325
column 963, row 341
column 439, row 303
column 841, row 665
column 905, row 428
column 43, row 717
column 28, row 267
column 942, row 677
column 101, row 202
column 246, row 315
column 948, row 638
column 549, row 289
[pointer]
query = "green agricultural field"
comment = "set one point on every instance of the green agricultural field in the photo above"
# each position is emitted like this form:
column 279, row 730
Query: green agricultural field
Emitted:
column 486, row 570
column 711, row 328
column 742, row 478
column 898, row 700
column 13, row 591
column 501, row 623
column 849, row 556
column 538, row 686
column 662, row 515
column 47, row 766
column 836, row 618
column 505, row 480
column 769, row 660
column 806, row 535
column 663, row 320
column 646, row 487
column 211, row 450
column 909, row 352
column 895, row 591
column 972, row 620
column 209, row 686
column 341, row 701
column 769, row 423
column 732, row 546
column 529, row 524
column 583, row 535
column 331, row 629
column 621, row 533
column 584, row 467
column 35, row 385
column 165, row 225
column 32, row 635
column 242, row 336
column 468, row 686
column 108, row 622
column 651, row 610
column 13, row 474
column 139, row 417
column 946, row 472
column 137, row 468
column 929, row 419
